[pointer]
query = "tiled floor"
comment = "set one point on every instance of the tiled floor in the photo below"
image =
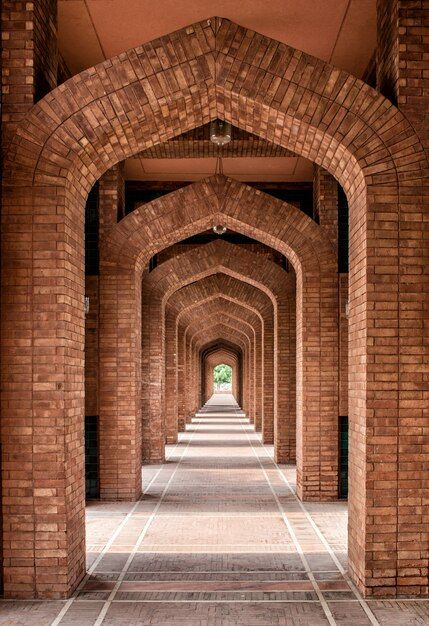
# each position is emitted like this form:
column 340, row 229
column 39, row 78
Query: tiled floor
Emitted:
column 219, row 538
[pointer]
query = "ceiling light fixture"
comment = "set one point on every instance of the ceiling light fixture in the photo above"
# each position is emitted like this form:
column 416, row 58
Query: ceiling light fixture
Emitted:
column 219, row 229
column 220, row 132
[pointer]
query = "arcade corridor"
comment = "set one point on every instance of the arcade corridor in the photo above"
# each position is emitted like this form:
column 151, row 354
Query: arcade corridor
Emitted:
column 187, row 185
column 218, row 538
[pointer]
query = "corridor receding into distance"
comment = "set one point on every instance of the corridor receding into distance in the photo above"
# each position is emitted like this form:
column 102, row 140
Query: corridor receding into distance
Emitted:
column 214, row 305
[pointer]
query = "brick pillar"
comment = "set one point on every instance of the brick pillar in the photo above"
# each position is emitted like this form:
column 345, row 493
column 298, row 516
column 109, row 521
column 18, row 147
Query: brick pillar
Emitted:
column 259, row 379
column 153, row 371
column 325, row 203
column 254, row 382
column 91, row 346
column 325, row 208
column 389, row 522
column 171, row 375
column 111, row 197
column 269, row 416
column 343, row 340
column 285, row 425
column 119, row 364
column 250, row 385
column 29, row 58
column 181, row 374
column 196, row 381
column 42, row 351
column 187, row 380
column 402, row 53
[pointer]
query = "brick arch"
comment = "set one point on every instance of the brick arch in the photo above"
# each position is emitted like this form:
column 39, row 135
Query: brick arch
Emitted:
column 214, row 258
column 249, row 321
column 237, row 320
column 236, row 290
column 217, row 257
column 217, row 357
column 131, row 102
column 283, row 227
column 154, row 426
column 222, row 257
column 215, row 331
column 215, row 346
column 229, row 328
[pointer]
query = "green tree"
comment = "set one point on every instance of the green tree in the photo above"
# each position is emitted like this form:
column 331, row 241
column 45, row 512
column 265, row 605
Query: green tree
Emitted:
column 222, row 374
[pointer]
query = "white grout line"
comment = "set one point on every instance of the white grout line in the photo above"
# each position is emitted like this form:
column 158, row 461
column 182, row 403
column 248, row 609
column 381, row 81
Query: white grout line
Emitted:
column 223, row 601
column 223, row 571
column 332, row 554
column 295, row 541
column 107, row 546
column 141, row 537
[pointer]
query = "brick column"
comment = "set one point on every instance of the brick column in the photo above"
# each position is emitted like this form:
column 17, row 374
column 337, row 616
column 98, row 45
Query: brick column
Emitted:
column 343, row 341
column 326, row 207
column 42, row 341
column 153, row 370
column 269, row 415
column 181, row 378
column 389, row 517
column 29, row 59
column 325, row 203
column 285, row 425
column 120, row 337
column 171, row 376
column 259, row 380
column 187, row 380
column 402, row 59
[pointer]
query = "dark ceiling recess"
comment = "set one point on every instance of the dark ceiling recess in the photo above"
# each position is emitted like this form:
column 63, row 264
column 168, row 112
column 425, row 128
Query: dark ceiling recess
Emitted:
column 208, row 236
column 140, row 192
column 196, row 143
column 91, row 233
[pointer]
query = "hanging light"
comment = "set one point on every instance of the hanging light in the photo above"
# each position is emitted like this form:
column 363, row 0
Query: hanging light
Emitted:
column 219, row 229
column 220, row 132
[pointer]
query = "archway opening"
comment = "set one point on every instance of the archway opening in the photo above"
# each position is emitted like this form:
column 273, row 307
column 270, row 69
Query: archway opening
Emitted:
column 222, row 378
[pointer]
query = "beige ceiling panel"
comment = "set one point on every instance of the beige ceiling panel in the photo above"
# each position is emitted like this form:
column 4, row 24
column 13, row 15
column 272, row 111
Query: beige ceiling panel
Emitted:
column 77, row 38
column 310, row 25
column 303, row 170
column 357, row 39
column 255, row 169
column 133, row 170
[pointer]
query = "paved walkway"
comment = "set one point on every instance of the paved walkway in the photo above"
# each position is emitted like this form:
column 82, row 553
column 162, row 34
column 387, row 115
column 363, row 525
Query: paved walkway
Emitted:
column 218, row 539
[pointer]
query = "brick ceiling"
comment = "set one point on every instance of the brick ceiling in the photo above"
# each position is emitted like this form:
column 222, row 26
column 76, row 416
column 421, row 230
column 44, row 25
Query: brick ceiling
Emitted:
column 341, row 32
